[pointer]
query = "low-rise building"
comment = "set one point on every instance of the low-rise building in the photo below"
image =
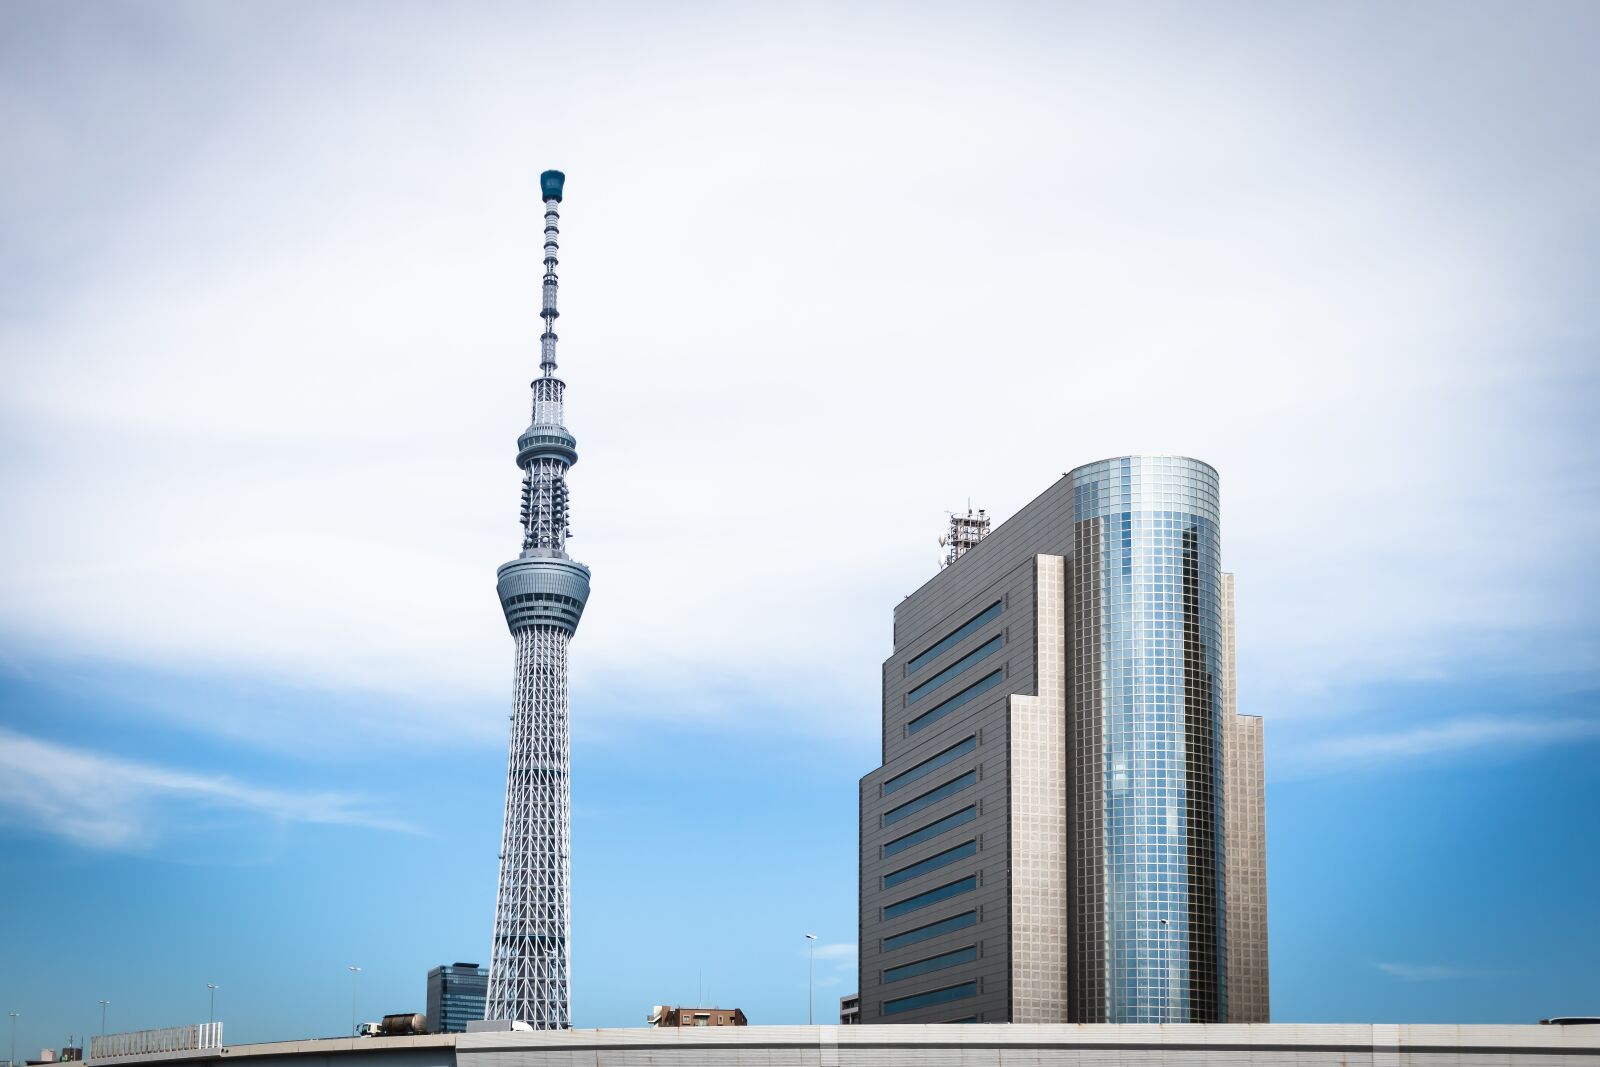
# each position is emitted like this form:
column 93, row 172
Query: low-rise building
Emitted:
column 663, row 1015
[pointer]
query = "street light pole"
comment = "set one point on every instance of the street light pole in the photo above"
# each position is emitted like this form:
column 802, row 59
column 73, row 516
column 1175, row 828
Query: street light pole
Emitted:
column 811, row 970
column 103, row 1004
column 354, row 970
column 211, row 1018
column 12, row 1062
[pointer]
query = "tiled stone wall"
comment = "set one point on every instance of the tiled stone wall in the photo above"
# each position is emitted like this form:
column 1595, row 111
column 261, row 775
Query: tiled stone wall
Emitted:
column 1039, row 815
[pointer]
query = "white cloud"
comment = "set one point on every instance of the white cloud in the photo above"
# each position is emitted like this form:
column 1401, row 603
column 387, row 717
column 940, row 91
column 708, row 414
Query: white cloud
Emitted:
column 841, row 951
column 1452, row 736
column 263, row 379
column 1415, row 972
column 100, row 801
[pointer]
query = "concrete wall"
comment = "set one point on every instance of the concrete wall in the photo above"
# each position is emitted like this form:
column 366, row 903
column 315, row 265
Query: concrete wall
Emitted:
column 937, row 1046
column 1214, row 1045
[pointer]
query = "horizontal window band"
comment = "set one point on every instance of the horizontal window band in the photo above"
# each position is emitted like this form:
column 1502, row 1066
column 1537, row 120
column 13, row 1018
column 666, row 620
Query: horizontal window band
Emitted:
column 932, row 896
column 960, row 666
column 931, row 797
column 932, row 863
column 932, row 930
column 928, row 766
column 966, row 696
column 932, row 963
column 966, row 629
column 930, row 831
column 930, row 998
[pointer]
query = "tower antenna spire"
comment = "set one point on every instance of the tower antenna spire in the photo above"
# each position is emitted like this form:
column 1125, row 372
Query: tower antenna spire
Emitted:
column 543, row 593
column 551, row 185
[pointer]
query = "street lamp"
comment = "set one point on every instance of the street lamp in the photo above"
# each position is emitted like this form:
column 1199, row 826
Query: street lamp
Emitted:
column 354, row 970
column 212, row 1017
column 12, row 1062
column 103, row 1004
column 811, row 969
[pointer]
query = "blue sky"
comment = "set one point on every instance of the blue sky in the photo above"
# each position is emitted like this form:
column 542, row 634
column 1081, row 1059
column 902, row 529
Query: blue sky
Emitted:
column 267, row 286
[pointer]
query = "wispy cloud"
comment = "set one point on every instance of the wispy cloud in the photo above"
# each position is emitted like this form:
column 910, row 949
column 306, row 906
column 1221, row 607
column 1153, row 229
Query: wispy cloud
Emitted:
column 840, row 951
column 1455, row 736
column 1425, row 972
column 104, row 802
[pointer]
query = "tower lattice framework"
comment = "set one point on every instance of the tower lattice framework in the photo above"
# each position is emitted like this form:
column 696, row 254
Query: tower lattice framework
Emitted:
column 543, row 593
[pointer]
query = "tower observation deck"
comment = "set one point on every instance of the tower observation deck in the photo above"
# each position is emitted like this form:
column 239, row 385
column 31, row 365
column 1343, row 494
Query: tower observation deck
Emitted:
column 543, row 593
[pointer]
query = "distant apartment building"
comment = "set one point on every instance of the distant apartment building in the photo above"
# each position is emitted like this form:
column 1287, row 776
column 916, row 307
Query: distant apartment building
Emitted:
column 1068, row 823
column 661, row 1016
column 456, row 993
column 850, row 1010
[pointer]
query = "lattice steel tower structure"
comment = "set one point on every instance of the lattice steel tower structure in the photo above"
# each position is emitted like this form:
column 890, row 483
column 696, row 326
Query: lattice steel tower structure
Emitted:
column 542, row 593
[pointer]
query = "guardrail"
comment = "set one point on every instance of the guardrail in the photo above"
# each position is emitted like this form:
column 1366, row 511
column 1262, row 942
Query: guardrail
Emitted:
column 145, row 1042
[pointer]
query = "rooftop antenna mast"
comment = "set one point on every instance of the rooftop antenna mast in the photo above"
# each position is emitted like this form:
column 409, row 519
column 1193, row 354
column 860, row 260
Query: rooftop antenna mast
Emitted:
column 965, row 531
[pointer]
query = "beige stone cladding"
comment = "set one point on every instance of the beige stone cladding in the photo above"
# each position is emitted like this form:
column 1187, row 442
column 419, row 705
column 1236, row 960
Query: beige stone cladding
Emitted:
column 1039, row 814
column 1249, row 999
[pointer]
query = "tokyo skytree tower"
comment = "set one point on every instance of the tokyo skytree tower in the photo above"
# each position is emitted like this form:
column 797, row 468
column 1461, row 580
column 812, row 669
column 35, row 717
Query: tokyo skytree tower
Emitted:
column 542, row 593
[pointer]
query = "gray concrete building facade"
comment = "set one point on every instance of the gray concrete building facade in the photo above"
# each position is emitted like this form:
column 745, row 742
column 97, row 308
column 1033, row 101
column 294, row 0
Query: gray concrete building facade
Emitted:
column 1046, row 839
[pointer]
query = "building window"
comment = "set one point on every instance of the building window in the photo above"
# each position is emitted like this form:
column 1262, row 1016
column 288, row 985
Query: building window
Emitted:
column 932, row 796
column 933, row 996
column 966, row 629
column 932, row 863
column 923, row 933
column 932, row 896
column 934, row 714
column 932, row 963
column 960, row 666
column 930, row 831
column 928, row 766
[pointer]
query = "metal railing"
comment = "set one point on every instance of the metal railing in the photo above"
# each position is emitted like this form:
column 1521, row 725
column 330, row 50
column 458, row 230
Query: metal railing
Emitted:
column 146, row 1042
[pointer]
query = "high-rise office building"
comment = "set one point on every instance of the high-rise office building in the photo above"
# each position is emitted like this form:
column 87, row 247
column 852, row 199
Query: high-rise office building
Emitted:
column 456, row 995
column 543, row 593
column 1046, row 840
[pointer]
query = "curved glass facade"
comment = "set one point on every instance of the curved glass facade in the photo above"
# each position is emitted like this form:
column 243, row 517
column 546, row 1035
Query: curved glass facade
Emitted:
column 1146, row 747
